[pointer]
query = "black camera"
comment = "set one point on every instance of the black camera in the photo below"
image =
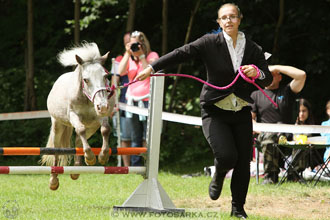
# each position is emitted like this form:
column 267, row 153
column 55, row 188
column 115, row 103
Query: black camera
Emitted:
column 135, row 46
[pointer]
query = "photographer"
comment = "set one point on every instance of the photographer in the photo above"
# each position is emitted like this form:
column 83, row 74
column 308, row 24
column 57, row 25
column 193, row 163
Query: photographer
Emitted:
column 137, row 57
column 125, row 130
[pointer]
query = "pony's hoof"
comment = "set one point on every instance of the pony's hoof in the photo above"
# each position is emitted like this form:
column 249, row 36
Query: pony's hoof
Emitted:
column 54, row 184
column 90, row 162
column 103, row 160
column 74, row 176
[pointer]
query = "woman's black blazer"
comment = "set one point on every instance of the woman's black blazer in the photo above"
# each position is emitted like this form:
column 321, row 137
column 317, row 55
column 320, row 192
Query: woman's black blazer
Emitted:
column 213, row 51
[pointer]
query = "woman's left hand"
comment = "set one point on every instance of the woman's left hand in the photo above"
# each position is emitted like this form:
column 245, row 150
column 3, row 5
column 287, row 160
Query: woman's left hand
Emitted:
column 249, row 71
column 144, row 74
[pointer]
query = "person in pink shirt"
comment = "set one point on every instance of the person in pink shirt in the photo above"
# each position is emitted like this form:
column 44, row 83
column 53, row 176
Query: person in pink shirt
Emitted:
column 137, row 57
column 124, row 128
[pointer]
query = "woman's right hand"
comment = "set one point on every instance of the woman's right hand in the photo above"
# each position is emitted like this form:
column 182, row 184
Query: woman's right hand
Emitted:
column 128, row 48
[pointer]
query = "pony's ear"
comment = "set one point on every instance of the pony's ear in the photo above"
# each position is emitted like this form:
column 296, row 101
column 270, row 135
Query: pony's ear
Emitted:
column 104, row 58
column 79, row 60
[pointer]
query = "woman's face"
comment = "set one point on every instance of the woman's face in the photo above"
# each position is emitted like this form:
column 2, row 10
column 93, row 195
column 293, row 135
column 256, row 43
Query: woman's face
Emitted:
column 137, row 40
column 277, row 77
column 134, row 40
column 328, row 112
column 228, row 19
column 303, row 113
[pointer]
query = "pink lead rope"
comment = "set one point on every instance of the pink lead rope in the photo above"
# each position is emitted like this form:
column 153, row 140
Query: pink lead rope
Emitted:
column 240, row 73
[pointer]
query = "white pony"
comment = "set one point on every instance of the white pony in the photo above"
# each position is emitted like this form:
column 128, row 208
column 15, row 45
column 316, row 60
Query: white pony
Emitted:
column 79, row 100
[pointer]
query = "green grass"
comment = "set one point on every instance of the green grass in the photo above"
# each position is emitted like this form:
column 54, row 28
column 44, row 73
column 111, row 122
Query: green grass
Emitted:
column 93, row 196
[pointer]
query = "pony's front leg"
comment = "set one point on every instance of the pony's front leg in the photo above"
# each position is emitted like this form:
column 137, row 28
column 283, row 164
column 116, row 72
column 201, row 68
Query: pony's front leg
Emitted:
column 80, row 129
column 105, row 131
column 77, row 159
column 53, row 182
column 77, row 162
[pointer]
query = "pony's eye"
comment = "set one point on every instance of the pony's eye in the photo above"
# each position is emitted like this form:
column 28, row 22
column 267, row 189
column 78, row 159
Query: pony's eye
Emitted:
column 86, row 81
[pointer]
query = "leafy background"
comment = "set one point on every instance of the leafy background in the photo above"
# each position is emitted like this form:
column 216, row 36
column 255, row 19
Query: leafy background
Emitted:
column 303, row 41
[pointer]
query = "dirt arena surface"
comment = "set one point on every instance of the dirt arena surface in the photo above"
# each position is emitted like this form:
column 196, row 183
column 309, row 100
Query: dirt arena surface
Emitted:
column 307, row 206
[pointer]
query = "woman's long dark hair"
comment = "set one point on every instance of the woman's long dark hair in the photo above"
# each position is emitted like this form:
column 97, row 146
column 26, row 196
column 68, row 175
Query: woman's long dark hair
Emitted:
column 310, row 118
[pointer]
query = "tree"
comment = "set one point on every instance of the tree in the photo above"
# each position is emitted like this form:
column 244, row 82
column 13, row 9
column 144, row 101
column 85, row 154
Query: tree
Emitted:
column 131, row 16
column 164, row 26
column 277, row 29
column 30, row 99
column 188, row 33
column 77, row 22
column 296, row 35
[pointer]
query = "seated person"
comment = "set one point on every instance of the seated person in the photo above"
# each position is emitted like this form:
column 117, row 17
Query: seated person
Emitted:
column 327, row 123
column 263, row 111
column 306, row 158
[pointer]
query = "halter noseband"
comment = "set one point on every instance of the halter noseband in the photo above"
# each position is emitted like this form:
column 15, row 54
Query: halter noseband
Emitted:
column 107, row 88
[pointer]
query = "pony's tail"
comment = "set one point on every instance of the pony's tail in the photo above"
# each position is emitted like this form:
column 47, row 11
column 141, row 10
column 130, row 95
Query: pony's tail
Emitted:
column 63, row 160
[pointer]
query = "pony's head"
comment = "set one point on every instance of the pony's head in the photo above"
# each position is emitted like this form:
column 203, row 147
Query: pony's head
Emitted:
column 94, row 77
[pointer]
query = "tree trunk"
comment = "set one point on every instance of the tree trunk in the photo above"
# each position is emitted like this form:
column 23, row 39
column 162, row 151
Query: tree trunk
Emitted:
column 77, row 22
column 164, row 45
column 277, row 31
column 165, row 27
column 30, row 99
column 191, row 21
column 131, row 16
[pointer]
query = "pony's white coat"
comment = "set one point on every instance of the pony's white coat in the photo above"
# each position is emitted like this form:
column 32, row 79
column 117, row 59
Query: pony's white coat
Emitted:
column 70, row 108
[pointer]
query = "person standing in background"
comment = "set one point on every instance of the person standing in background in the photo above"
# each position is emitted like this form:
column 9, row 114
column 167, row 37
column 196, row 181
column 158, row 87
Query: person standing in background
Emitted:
column 125, row 130
column 137, row 57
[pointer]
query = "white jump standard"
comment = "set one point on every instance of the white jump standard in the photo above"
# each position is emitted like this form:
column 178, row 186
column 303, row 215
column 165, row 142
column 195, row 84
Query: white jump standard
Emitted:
column 150, row 196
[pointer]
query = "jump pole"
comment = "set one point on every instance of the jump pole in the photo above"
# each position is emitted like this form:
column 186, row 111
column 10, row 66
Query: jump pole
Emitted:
column 150, row 196
column 70, row 170
column 68, row 151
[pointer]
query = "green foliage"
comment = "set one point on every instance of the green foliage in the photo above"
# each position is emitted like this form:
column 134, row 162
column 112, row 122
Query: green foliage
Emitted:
column 184, row 146
column 303, row 37
column 9, row 83
column 91, row 10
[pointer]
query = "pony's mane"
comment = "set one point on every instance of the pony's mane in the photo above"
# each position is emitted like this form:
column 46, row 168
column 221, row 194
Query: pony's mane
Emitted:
column 88, row 52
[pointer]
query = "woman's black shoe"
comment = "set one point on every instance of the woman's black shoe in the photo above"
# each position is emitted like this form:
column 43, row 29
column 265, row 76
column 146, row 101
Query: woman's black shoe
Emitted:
column 215, row 186
column 239, row 214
